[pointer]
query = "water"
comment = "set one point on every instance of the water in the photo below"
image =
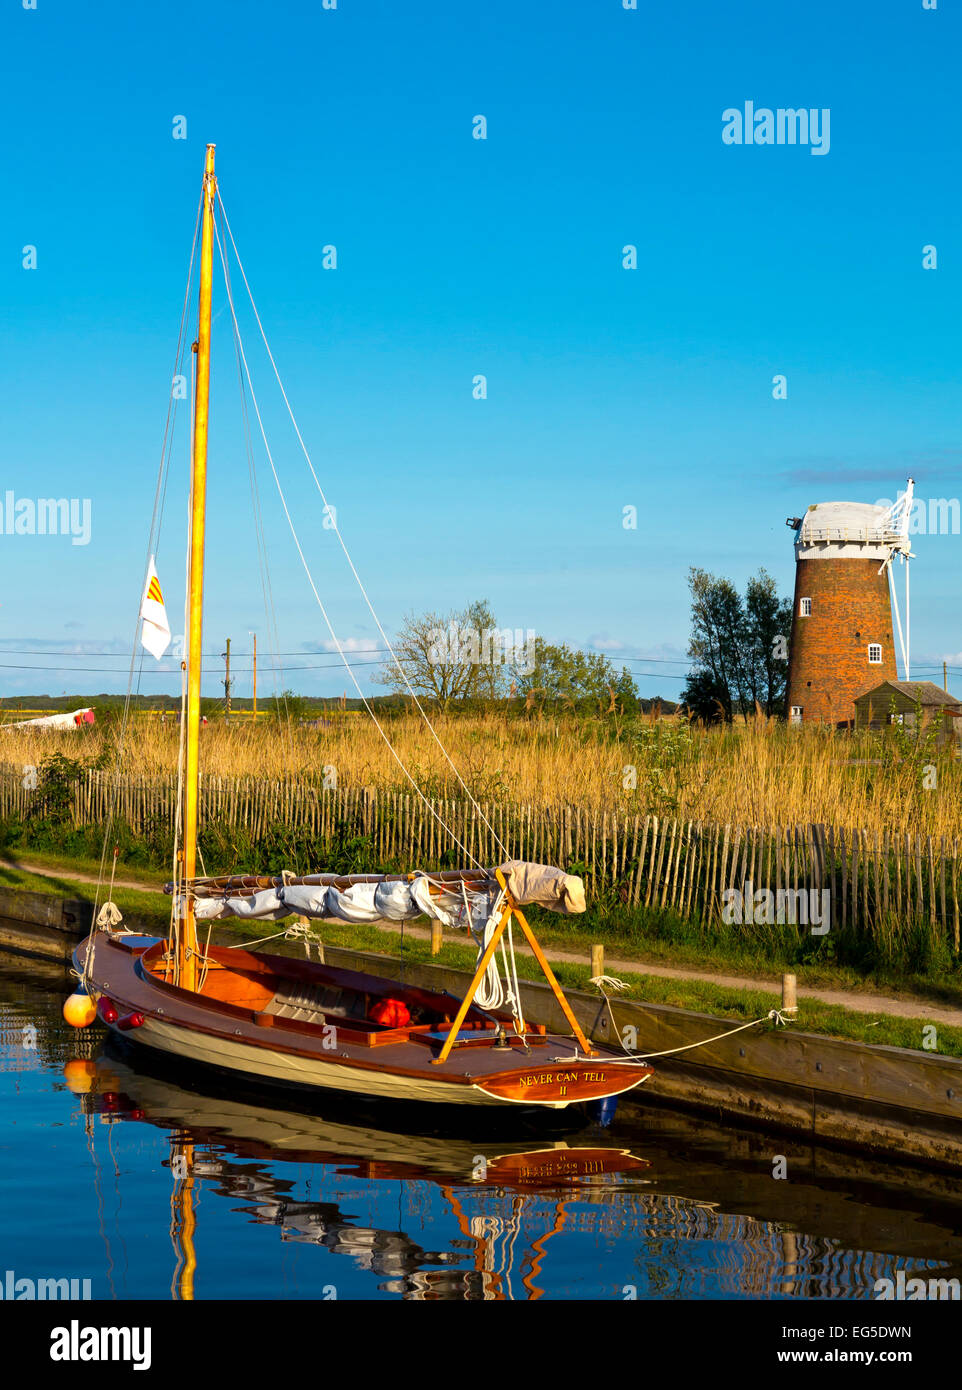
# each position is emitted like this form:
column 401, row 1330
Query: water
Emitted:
column 155, row 1181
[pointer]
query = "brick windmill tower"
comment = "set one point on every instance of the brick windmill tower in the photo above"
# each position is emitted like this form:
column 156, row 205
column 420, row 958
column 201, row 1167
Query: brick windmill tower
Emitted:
column 842, row 642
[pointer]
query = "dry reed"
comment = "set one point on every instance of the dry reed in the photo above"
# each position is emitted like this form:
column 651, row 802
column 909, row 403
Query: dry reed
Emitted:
column 759, row 773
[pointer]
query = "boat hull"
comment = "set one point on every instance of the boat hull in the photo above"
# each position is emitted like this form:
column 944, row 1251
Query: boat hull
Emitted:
column 246, row 1039
column 285, row 1069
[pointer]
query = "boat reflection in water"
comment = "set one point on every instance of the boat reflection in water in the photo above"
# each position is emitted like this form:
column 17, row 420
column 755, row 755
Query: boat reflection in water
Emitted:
column 508, row 1198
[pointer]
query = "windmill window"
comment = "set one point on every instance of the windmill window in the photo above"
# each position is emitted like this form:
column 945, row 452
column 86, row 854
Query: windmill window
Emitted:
column 874, row 654
column 796, row 715
column 805, row 608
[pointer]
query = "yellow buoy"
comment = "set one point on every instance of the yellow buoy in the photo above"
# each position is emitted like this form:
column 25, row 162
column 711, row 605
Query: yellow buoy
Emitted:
column 79, row 1010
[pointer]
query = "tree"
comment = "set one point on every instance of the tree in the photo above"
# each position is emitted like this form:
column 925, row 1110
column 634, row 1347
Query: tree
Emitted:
column 494, row 655
column 287, row 706
column 626, row 692
column 768, row 622
column 707, row 697
column 560, row 675
column 448, row 658
column 717, row 621
column 735, row 647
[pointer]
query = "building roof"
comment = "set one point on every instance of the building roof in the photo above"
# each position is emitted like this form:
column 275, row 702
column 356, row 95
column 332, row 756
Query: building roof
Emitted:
column 925, row 691
column 857, row 521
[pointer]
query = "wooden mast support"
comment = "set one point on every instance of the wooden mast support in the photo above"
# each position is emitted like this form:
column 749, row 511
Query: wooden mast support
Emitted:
column 186, row 972
column 510, row 908
column 556, row 989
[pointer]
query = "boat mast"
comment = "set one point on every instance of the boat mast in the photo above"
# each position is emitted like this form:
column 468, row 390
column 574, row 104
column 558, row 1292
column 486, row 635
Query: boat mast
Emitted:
column 186, row 971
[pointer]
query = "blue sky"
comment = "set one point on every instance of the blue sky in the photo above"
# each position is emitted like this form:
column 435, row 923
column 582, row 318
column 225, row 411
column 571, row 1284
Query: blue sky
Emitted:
column 459, row 257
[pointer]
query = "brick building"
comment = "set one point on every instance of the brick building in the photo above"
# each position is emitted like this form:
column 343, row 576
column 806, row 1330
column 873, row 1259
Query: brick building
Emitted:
column 842, row 640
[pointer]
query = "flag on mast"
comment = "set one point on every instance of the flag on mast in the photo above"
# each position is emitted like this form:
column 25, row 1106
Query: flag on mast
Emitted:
column 156, row 630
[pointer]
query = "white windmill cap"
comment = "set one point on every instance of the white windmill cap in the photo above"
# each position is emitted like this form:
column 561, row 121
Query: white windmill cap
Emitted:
column 852, row 521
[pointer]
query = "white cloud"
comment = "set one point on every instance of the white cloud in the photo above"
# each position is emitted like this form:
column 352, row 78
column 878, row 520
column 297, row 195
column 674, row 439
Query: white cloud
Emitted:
column 350, row 644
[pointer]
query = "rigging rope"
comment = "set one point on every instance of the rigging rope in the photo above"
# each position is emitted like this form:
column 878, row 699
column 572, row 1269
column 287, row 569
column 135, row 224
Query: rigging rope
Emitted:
column 310, row 577
column 152, row 542
column 262, row 561
column 332, row 519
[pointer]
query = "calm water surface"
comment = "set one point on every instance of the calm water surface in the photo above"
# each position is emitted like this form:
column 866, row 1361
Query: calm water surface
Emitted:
column 154, row 1181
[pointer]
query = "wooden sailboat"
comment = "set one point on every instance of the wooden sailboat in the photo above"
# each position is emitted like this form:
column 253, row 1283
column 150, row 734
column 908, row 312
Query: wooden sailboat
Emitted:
column 306, row 1025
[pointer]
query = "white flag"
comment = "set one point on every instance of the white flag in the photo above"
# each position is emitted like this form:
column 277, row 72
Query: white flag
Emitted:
column 156, row 631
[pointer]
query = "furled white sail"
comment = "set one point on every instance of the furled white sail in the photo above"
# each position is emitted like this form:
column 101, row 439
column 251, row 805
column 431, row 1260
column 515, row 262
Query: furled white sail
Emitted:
column 362, row 902
column 399, row 899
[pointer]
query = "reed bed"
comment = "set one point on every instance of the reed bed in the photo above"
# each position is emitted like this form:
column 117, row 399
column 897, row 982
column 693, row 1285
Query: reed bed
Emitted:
column 759, row 773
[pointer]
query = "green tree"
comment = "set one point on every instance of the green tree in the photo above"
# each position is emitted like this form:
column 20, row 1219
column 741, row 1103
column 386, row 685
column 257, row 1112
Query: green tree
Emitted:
column 707, row 697
column 736, row 645
column 562, row 676
column 768, row 622
column 626, row 692
column 291, row 706
column 449, row 658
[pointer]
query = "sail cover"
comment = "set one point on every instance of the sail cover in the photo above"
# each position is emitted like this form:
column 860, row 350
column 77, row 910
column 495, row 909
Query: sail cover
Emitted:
column 400, row 900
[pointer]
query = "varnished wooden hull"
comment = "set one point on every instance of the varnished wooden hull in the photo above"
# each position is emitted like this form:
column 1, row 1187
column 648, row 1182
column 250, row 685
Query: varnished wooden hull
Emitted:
column 243, row 1036
column 267, row 1064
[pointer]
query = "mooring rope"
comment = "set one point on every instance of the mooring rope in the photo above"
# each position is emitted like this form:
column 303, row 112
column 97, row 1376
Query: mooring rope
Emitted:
column 605, row 982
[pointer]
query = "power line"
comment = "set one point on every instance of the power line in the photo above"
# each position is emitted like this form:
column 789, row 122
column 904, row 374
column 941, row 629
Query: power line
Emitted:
column 123, row 656
column 111, row 671
column 613, row 657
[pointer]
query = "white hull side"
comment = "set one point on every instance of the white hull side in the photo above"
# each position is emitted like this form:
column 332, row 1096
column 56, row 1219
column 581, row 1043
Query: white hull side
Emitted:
column 307, row 1072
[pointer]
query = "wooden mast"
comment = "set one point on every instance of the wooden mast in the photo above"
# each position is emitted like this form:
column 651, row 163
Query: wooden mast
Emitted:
column 186, row 971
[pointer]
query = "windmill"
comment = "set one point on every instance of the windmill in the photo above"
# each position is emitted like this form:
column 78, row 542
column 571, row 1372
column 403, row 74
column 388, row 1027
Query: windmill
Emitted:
column 842, row 639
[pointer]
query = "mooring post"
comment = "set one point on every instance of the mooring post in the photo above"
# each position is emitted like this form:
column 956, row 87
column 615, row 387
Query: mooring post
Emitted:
column 789, row 1004
column 436, row 937
column 597, row 960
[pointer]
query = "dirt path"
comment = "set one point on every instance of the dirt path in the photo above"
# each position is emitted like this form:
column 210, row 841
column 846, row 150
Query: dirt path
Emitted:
column 857, row 1001
column 75, row 876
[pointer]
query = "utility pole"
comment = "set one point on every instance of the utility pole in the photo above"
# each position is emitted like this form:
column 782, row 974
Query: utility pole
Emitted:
column 254, row 635
column 945, row 675
column 227, row 683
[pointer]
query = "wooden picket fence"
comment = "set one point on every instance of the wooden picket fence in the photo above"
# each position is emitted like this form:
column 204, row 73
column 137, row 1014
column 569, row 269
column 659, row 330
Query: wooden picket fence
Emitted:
column 645, row 861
